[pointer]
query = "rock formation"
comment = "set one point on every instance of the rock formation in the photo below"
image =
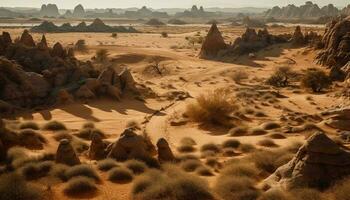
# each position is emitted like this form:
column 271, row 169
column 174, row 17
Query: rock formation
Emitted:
column 318, row 163
column 213, row 43
column 340, row 120
column 336, row 42
column 79, row 11
column 27, row 39
column 96, row 26
column 49, row 10
column 346, row 10
column 130, row 146
column 196, row 13
column 298, row 37
column 164, row 152
column 97, row 148
column 65, row 154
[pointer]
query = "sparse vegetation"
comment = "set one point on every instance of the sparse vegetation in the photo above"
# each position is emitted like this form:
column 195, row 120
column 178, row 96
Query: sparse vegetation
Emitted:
column 80, row 185
column 82, row 170
column 210, row 147
column 107, row 164
column 114, row 35
column 267, row 143
column 29, row 125
column 137, row 167
column 32, row 171
column 186, row 148
column 215, row 108
column 54, row 126
column 232, row 143
column 101, row 55
column 164, row 34
column 81, row 46
column 190, row 165
column 31, row 139
column 315, row 79
column 188, row 141
column 269, row 161
column 120, row 175
column 240, row 75
column 204, row 171
column 238, row 131
column 281, row 77
column 87, row 133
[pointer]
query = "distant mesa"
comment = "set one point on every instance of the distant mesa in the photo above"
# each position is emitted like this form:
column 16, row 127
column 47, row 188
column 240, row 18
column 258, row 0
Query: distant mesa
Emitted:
column 79, row 11
column 253, row 23
column 196, row 12
column 308, row 10
column 96, row 26
column 49, row 10
column 145, row 12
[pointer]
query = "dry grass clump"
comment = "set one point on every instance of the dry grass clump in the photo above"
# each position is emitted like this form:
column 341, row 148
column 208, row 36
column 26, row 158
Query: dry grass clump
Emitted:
column 188, row 141
column 242, row 169
column 14, row 187
column 120, row 175
column 238, row 131
column 87, row 133
column 236, row 187
column 213, row 162
column 82, row 170
column 267, row 143
column 341, row 190
column 307, row 194
column 174, row 184
column 63, row 135
column 257, row 131
column 17, row 156
column 101, row 55
column 281, row 77
column 240, row 75
column 210, row 147
column 269, row 161
column 204, row 171
column 186, row 148
column 88, row 125
column 316, row 79
column 106, row 164
column 229, row 152
column 137, row 167
column 206, row 154
column 247, row 148
column 54, row 126
column 80, row 45
column 231, row 143
column 31, row 139
column 133, row 124
column 275, row 194
column 80, row 185
column 33, row 171
column 215, row 108
column 270, row 125
column 277, row 136
column 29, row 125
column 260, row 114
column 190, row 165
column 59, row 171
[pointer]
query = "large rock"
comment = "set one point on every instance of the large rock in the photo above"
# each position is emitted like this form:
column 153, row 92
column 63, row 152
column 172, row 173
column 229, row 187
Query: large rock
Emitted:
column 213, row 43
column 340, row 120
column 58, row 51
column 130, row 146
column 63, row 97
column 97, row 147
column 164, row 152
column 318, row 163
column 122, row 80
column 27, row 39
column 65, row 154
column 298, row 37
column 336, row 42
column 43, row 43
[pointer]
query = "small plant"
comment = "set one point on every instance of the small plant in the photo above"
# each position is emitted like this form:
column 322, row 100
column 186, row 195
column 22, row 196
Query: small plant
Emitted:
column 238, row 131
column 31, row 139
column 267, row 143
column 29, row 125
column 186, row 148
column 87, row 133
column 232, row 143
column 80, row 45
column 137, row 167
column 101, row 55
column 88, row 125
column 188, row 141
column 210, row 147
column 114, row 35
column 107, row 164
column 236, row 187
column 281, row 77
column 80, row 185
column 240, row 75
column 120, row 175
column 33, row 171
column 270, row 125
column 204, row 171
column 54, row 126
column 82, row 170
column 258, row 131
column 315, row 79
column 190, row 165
column 164, row 34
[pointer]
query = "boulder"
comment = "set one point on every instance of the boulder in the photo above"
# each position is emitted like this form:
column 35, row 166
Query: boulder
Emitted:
column 129, row 146
column 298, row 37
column 58, row 51
column 318, row 163
column 164, row 152
column 97, row 147
column 65, row 154
column 42, row 45
column 27, row 39
column 213, row 43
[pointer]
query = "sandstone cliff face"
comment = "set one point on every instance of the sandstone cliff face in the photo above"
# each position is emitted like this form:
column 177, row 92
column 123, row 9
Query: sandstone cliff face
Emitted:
column 318, row 163
column 336, row 42
column 49, row 10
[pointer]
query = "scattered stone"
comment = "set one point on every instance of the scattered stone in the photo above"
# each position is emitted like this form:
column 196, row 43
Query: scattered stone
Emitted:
column 66, row 154
column 97, row 148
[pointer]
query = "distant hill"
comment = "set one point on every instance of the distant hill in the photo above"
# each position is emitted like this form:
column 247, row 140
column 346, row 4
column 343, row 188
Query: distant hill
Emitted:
column 8, row 13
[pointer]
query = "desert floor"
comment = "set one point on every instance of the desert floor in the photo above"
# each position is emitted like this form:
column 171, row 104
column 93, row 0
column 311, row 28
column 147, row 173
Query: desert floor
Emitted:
column 183, row 72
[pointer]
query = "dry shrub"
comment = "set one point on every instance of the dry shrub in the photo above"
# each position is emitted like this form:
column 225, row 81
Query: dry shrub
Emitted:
column 88, row 125
column 267, row 143
column 120, row 175
column 164, row 34
column 231, row 143
column 14, row 187
column 240, row 75
column 257, row 131
column 80, row 185
column 63, row 135
column 101, row 55
column 209, row 153
column 215, row 108
column 188, row 157
column 133, row 124
column 137, row 167
column 260, row 114
column 59, row 171
column 242, row 169
column 80, row 45
column 210, row 147
column 190, row 165
column 54, row 126
column 270, row 125
column 106, row 164
column 173, row 184
column 186, row 149
column 188, row 141
column 82, row 170
column 229, row 152
column 238, row 131
column 87, row 133
column 281, row 77
column 31, row 139
column 269, row 161
column 204, row 171
column 277, row 136
column 275, row 194
column 33, row 171
column 315, row 79
column 247, row 148
column 29, row 125
column 213, row 162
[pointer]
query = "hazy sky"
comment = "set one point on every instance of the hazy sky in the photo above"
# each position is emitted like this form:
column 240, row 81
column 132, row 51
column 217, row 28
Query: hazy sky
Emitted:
column 163, row 3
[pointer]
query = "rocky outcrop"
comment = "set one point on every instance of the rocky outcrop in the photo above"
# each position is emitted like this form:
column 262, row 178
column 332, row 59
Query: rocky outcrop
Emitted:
column 346, row 10
column 336, row 44
column 66, row 155
column 79, row 11
column 164, row 152
column 42, row 45
column 340, row 120
column 49, row 10
column 58, row 51
column 27, row 39
column 298, row 37
column 130, row 145
column 213, row 43
column 318, row 163
column 97, row 26
column 97, row 148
